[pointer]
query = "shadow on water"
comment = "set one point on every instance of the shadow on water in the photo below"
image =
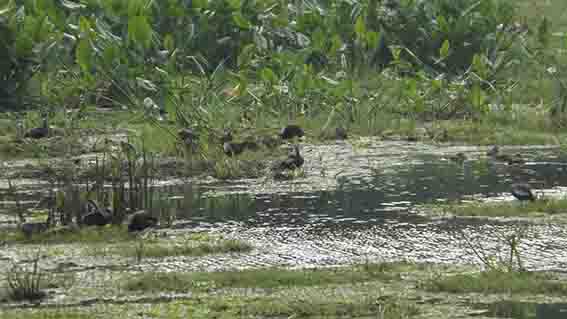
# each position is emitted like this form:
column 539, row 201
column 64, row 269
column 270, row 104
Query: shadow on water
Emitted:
column 525, row 310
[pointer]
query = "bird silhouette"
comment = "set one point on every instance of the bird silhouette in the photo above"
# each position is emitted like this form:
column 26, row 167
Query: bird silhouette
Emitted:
column 141, row 220
column 291, row 131
column 523, row 192
column 38, row 132
column 341, row 133
column 293, row 161
column 459, row 157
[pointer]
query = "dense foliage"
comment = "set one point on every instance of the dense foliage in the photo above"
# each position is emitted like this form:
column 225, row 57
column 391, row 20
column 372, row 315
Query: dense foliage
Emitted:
column 448, row 58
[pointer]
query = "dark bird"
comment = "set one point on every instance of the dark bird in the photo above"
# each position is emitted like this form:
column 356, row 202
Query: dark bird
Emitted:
column 493, row 151
column 516, row 159
column 522, row 192
column 226, row 136
column 233, row 148
column 96, row 216
column 38, row 132
column 341, row 133
column 141, row 220
column 459, row 157
column 189, row 138
column 187, row 135
column 291, row 131
column 293, row 161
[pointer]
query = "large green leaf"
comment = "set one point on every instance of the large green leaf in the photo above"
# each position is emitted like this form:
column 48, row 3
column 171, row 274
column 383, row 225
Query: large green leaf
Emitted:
column 360, row 27
column 84, row 55
column 241, row 21
column 139, row 30
column 268, row 76
column 444, row 50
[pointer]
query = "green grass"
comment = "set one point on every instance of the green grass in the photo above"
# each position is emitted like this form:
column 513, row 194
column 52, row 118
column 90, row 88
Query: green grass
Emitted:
column 309, row 305
column 304, row 304
column 45, row 314
column 264, row 278
column 107, row 234
column 494, row 282
column 155, row 249
column 504, row 209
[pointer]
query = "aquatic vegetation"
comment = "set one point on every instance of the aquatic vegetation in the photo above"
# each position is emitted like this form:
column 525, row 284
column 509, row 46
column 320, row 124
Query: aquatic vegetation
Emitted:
column 263, row 278
column 47, row 314
column 492, row 282
column 27, row 283
column 156, row 249
column 541, row 207
column 60, row 235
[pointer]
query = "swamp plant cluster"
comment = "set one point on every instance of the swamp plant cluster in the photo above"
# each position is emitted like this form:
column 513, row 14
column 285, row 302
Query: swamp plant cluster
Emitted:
column 252, row 64
column 175, row 74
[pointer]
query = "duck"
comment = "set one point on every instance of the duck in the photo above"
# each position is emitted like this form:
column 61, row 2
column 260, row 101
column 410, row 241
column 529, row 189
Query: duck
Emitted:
column 341, row 133
column 291, row 131
column 187, row 135
column 97, row 216
column 141, row 220
column 459, row 157
column 493, row 151
column 293, row 161
column 523, row 192
column 516, row 159
column 226, row 136
column 38, row 132
column 233, row 148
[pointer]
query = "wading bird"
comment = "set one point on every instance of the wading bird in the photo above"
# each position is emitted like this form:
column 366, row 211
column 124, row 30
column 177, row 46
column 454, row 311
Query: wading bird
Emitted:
column 523, row 192
column 291, row 131
column 38, row 132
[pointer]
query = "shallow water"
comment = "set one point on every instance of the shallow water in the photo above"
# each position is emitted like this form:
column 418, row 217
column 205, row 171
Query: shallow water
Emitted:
column 357, row 202
column 363, row 207
column 526, row 310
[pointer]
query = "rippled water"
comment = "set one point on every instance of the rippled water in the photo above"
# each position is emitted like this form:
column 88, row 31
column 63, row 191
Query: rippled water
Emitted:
column 357, row 203
column 362, row 208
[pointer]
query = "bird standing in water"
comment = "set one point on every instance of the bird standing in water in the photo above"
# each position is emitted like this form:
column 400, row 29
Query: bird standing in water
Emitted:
column 459, row 157
column 523, row 192
column 293, row 161
column 291, row 131
column 38, row 132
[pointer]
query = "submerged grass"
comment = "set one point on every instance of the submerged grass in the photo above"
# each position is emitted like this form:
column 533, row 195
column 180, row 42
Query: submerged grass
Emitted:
column 313, row 304
column 263, row 278
column 495, row 282
column 504, row 209
column 46, row 314
column 295, row 304
column 154, row 249
column 63, row 235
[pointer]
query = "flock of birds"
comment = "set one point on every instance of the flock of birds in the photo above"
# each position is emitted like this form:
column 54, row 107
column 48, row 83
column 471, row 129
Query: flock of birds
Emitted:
column 231, row 148
column 140, row 220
